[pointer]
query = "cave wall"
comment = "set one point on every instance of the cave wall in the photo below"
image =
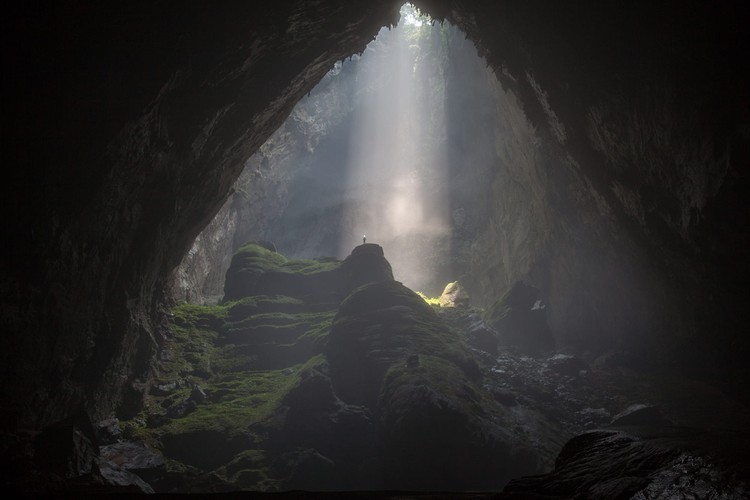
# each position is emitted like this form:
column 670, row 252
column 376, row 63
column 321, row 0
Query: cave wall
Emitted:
column 655, row 186
column 129, row 124
column 132, row 124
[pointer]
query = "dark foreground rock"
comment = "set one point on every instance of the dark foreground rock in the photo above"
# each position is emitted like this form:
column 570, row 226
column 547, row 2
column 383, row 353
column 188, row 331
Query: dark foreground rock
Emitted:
column 648, row 464
column 390, row 352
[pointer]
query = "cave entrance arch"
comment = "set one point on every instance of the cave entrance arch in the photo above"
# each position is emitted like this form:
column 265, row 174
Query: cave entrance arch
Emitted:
column 401, row 143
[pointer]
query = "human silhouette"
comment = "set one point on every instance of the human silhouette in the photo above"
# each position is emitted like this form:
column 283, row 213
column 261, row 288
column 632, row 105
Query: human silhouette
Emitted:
column 364, row 239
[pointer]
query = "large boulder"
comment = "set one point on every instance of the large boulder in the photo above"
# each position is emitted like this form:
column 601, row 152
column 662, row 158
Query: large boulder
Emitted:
column 366, row 264
column 520, row 319
column 345, row 435
column 389, row 351
column 615, row 464
column 136, row 457
column 256, row 269
column 377, row 326
column 453, row 295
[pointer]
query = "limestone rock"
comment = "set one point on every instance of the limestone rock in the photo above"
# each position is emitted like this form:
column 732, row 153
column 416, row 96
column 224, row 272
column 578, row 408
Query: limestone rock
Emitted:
column 433, row 412
column 614, row 464
column 453, row 295
column 483, row 338
column 366, row 264
column 108, row 431
column 121, row 477
column 520, row 320
column 136, row 457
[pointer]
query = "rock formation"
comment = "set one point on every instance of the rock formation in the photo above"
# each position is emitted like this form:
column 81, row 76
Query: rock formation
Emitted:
column 128, row 124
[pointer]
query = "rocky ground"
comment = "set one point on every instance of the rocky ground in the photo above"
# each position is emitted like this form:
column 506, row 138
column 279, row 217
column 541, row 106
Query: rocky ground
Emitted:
column 326, row 376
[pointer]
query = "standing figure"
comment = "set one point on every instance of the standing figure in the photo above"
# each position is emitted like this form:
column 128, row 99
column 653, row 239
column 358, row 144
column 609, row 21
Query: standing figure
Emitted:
column 364, row 239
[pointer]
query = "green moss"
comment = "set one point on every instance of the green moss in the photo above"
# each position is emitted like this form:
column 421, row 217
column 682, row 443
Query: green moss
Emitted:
column 246, row 355
column 252, row 256
column 311, row 266
column 191, row 343
column 247, row 306
column 433, row 301
column 436, row 375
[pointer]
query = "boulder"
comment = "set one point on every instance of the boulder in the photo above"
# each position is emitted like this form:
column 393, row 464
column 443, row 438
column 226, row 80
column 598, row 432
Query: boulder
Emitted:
column 315, row 418
column 616, row 464
column 120, row 477
column 519, row 317
column 366, row 264
column 251, row 261
column 136, row 457
column 433, row 413
column 378, row 325
column 453, row 295
column 108, row 431
column 483, row 338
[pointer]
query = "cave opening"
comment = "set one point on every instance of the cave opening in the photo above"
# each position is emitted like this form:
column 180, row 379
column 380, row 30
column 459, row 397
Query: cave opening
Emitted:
column 589, row 203
column 393, row 145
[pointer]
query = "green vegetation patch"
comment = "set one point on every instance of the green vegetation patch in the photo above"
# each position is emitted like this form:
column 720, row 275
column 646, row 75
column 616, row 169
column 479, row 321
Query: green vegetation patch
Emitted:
column 389, row 316
column 433, row 301
column 255, row 258
column 256, row 270
column 248, row 306
column 311, row 266
column 434, row 381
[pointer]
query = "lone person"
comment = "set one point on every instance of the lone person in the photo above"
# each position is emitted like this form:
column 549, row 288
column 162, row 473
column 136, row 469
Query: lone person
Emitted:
column 364, row 239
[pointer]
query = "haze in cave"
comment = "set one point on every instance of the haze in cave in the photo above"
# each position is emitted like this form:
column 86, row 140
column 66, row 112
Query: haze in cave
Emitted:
column 316, row 248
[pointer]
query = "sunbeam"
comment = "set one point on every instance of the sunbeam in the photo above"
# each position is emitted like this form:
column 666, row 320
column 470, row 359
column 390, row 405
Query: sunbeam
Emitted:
column 397, row 155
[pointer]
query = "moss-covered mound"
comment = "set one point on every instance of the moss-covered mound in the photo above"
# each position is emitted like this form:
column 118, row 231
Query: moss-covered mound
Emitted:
column 289, row 387
column 366, row 264
column 257, row 269
column 380, row 325
column 389, row 351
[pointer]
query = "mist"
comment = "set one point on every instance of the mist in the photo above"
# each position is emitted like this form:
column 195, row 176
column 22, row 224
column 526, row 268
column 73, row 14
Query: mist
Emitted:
column 383, row 166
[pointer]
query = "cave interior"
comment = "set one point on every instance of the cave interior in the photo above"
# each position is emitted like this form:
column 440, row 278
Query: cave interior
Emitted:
column 169, row 325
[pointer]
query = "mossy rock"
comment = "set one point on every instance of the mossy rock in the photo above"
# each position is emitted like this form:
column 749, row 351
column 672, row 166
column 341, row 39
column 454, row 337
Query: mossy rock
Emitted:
column 390, row 351
column 378, row 325
column 257, row 270
column 366, row 264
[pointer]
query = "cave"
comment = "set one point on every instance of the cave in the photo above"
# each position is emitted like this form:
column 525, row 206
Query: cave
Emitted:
column 593, row 340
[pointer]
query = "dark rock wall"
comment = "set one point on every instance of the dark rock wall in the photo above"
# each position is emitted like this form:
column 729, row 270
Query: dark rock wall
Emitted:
column 644, row 110
column 129, row 124
column 132, row 124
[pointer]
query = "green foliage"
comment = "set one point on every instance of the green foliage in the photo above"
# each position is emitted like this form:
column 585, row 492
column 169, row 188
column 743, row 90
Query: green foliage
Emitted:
column 311, row 266
column 247, row 306
column 252, row 257
column 239, row 400
column 433, row 301
column 246, row 355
